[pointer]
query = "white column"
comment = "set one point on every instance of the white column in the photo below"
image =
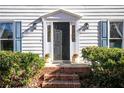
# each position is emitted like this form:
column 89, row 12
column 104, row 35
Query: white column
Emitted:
column 52, row 41
column 77, row 43
column 44, row 37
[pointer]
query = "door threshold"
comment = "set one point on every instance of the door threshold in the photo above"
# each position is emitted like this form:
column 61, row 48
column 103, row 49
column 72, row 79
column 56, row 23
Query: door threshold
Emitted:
column 61, row 62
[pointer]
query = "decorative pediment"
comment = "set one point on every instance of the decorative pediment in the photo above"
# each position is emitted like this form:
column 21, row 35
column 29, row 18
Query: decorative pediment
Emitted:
column 61, row 15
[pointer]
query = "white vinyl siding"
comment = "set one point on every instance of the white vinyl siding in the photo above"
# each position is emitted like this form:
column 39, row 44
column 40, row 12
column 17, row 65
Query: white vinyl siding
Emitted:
column 33, row 41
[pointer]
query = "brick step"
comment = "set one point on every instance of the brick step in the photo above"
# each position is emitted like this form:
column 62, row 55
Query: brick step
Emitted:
column 61, row 76
column 68, row 70
column 61, row 84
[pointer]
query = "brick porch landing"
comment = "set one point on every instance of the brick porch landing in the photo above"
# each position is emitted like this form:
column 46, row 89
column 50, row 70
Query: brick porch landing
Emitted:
column 63, row 75
column 66, row 65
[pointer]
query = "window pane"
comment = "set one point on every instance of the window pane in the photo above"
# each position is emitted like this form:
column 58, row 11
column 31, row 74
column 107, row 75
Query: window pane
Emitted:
column 116, row 29
column 6, row 45
column 116, row 43
column 49, row 33
column 6, row 30
column 73, row 33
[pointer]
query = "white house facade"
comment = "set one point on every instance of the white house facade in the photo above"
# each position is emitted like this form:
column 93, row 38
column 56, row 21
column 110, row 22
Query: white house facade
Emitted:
column 60, row 30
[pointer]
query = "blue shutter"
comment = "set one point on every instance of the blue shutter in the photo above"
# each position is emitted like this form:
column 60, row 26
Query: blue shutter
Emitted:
column 104, row 33
column 17, row 36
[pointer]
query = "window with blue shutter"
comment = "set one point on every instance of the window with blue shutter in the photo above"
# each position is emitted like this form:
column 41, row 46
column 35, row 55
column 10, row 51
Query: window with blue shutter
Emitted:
column 104, row 33
column 116, row 34
column 6, row 36
column 10, row 36
column 17, row 45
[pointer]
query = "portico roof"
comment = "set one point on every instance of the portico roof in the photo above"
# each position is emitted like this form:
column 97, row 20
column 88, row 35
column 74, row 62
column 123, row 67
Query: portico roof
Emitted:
column 61, row 11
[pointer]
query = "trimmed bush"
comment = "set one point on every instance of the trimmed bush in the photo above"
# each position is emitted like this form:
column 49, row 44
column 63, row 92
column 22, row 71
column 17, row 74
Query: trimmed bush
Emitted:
column 107, row 66
column 17, row 68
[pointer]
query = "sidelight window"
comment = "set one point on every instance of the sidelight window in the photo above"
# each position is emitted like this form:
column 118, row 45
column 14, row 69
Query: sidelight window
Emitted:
column 73, row 33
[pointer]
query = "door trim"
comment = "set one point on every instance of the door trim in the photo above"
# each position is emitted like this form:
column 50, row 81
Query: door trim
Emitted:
column 73, row 50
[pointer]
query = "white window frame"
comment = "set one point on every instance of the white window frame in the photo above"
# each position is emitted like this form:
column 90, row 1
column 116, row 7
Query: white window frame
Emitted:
column 8, row 21
column 119, row 20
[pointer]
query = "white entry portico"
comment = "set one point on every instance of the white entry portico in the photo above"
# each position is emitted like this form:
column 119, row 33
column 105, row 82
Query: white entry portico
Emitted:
column 61, row 38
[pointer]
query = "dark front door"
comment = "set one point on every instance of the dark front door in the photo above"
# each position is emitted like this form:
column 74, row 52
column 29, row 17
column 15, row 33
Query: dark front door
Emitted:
column 61, row 41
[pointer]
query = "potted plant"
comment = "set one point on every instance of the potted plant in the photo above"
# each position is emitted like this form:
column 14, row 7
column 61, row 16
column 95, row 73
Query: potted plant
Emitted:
column 47, row 58
column 75, row 58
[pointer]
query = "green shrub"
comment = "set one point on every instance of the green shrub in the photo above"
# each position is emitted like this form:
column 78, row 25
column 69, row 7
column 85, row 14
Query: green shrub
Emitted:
column 107, row 66
column 17, row 68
